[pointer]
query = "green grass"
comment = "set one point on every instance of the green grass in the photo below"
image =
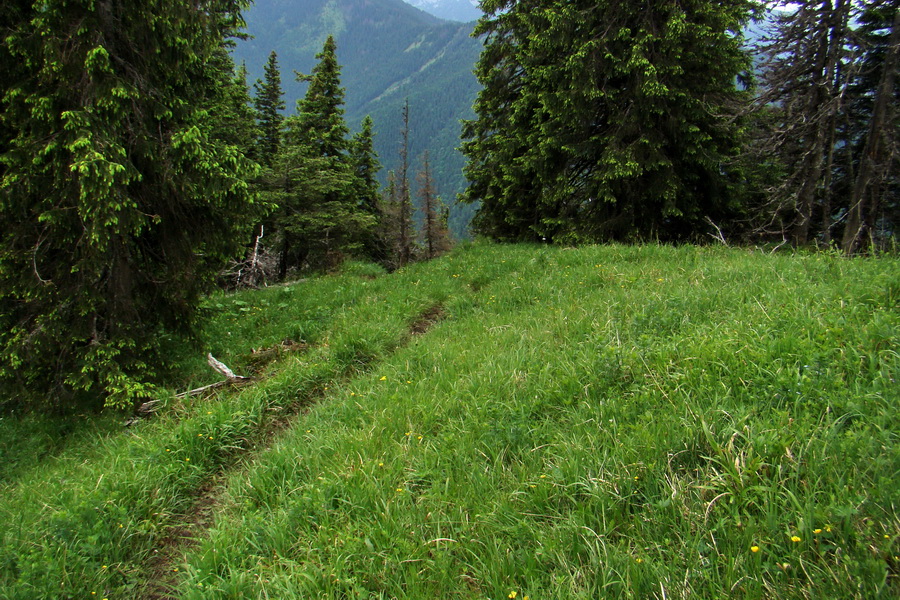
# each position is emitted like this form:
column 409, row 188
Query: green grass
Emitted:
column 598, row 422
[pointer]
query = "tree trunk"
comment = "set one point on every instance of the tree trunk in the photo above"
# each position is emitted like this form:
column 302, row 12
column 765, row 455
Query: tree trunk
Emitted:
column 872, row 159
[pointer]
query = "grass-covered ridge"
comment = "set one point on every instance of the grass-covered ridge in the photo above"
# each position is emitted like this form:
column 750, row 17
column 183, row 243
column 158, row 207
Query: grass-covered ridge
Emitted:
column 575, row 423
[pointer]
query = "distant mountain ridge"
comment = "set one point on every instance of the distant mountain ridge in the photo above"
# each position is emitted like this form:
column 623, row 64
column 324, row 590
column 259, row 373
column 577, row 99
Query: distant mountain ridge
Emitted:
column 389, row 51
column 452, row 10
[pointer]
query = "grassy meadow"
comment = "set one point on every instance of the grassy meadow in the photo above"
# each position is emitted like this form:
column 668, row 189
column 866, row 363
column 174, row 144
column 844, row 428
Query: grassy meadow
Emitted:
column 509, row 421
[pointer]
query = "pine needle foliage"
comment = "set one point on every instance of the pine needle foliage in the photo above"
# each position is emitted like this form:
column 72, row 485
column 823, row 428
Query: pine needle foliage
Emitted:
column 268, row 103
column 365, row 164
column 605, row 120
column 112, row 143
column 314, row 180
column 434, row 234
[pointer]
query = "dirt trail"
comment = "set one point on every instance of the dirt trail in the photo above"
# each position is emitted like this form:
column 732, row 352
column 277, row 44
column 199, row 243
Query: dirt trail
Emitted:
column 190, row 528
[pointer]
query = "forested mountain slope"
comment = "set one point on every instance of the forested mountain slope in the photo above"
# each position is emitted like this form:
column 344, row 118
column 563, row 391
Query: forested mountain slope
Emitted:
column 390, row 51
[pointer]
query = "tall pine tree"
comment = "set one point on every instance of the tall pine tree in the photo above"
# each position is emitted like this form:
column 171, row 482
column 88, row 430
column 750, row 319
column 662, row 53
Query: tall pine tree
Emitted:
column 405, row 243
column 268, row 103
column 364, row 161
column 605, row 120
column 234, row 116
column 121, row 197
column 313, row 180
column 804, row 77
column 874, row 204
column 434, row 233
column 829, row 96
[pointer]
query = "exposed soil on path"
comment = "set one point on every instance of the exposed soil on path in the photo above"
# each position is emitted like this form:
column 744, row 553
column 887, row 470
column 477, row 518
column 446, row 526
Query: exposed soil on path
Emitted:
column 190, row 528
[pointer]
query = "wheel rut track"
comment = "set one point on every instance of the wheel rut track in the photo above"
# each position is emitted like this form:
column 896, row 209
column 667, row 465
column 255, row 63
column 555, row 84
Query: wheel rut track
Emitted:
column 190, row 527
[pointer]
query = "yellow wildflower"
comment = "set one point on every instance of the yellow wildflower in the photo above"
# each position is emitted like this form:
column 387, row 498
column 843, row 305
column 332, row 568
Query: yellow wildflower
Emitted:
column 754, row 549
column 795, row 538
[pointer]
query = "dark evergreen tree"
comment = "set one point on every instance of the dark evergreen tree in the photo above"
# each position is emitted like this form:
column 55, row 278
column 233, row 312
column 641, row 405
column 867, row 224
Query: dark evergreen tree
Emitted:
column 605, row 120
column 804, row 76
column 364, row 161
column 829, row 89
column 404, row 244
column 234, row 117
column 435, row 235
column 388, row 231
column 365, row 167
column 268, row 103
column 121, row 198
column 874, row 201
column 319, row 122
column 313, row 179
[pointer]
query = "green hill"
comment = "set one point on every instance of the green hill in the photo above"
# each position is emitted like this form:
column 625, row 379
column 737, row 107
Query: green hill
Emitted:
column 389, row 51
column 507, row 421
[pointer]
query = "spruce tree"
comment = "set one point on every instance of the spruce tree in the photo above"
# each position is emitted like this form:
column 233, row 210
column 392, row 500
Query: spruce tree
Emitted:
column 388, row 233
column 803, row 76
column 365, row 164
column 268, row 103
column 829, row 91
column 364, row 161
column 874, row 203
column 319, row 122
column 121, row 199
column 313, row 179
column 404, row 245
column 434, row 233
column 234, row 116
column 603, row 120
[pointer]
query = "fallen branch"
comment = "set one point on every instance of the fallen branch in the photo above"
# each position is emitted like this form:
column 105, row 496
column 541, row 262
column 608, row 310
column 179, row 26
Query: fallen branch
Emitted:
column 221, row 368
column 718, row 235
column 148, row 408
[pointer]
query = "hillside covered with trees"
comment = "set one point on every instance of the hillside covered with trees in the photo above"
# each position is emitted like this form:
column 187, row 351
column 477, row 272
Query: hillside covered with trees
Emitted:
column 132, row 186
column 390, row 53
column 607, row 121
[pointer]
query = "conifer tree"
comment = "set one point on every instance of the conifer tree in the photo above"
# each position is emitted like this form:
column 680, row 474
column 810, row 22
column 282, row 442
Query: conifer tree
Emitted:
column 829, row 88
column 365, row 166
column 603, row 120
column 319, row 122
column 364, row 161
column 404, row 245
column 435, row 235
column 313, row 178
column 388, row 233
column 268, row 103
column 234, row 117
column 804, row 79
column 120, row 198
column 876, row 189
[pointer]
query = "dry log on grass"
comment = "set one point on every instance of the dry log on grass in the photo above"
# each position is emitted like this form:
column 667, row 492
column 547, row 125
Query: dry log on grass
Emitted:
column 148, row 408
column 221, row 368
